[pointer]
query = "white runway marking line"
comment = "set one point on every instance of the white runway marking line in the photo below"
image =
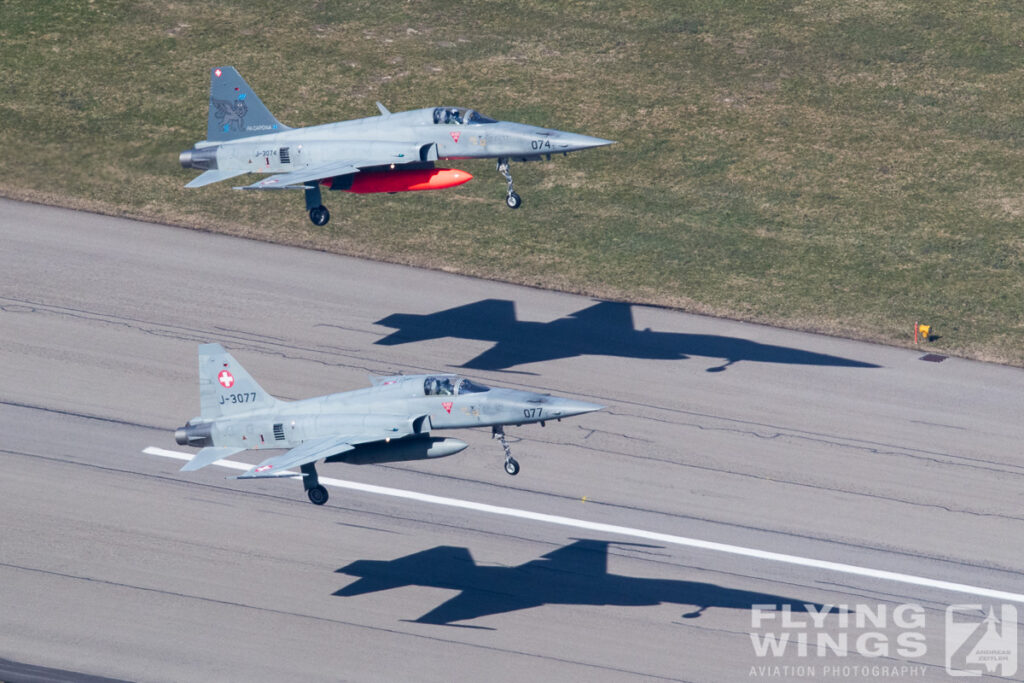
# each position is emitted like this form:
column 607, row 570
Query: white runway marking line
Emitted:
column 636, row 533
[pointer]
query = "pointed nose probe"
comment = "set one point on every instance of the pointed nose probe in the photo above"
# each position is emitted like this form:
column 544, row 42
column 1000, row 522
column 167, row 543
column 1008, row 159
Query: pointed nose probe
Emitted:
column 567, row 407
column 573, row 142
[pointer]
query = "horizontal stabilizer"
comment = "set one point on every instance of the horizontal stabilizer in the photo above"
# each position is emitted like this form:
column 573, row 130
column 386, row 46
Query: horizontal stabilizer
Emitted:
column 214, row 176
column 208, row 456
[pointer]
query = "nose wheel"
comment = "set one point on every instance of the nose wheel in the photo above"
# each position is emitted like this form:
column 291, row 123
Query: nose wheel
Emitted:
column 511, row 465
column 512, row 200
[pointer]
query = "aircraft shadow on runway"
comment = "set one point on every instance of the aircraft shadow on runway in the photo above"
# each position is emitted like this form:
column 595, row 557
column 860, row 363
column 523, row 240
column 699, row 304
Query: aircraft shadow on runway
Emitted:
column 604, row 329
column 576, row 574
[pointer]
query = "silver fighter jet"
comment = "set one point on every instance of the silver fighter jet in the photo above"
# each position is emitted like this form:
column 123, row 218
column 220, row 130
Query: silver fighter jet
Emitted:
column 392, row 152
column 386, row 422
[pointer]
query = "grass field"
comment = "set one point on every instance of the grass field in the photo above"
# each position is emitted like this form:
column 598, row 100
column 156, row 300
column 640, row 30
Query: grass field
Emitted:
column 842, row 167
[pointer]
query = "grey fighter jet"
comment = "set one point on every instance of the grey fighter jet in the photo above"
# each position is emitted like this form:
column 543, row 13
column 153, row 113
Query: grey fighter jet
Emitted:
column 387, row 422
column 392, row 152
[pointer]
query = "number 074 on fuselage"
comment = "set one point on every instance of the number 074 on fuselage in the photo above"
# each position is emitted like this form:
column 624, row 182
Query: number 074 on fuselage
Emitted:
column 388, row 421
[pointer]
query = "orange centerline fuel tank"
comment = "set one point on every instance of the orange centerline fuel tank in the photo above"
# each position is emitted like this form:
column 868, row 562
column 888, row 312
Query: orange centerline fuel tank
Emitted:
column 399, row 180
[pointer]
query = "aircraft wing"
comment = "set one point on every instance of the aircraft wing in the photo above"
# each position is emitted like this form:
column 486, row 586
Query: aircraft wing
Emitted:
column 309, row 451
column 298, row 179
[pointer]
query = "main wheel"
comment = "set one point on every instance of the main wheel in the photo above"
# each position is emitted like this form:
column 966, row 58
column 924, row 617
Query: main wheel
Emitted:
column 317, row 495
column 513, row 200
column 512, row 467
column 319, row 215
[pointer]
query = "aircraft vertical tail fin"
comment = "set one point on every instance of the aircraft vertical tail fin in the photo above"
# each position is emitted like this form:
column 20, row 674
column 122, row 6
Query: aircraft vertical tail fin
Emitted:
column 225, row 388
column 235, row 110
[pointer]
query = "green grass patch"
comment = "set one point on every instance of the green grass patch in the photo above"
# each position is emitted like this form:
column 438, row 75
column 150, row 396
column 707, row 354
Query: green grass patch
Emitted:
column 844, row 167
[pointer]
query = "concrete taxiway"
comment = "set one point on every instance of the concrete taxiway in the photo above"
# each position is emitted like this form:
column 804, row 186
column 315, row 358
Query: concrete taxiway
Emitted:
column 751, row 442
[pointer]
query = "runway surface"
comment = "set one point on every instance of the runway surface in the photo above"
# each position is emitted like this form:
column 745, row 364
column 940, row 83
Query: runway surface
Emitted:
column 734, row 436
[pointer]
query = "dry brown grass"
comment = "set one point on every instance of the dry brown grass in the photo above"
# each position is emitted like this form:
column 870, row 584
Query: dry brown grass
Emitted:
column 830, row 166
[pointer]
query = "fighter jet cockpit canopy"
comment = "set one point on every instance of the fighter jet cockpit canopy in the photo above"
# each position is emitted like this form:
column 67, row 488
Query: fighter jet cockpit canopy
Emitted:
column 447, row 385
column 459, row 116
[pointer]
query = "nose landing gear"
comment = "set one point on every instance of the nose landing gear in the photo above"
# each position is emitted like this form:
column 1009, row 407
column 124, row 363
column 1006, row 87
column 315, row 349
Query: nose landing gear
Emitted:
column 512, row 200
column 511, row 466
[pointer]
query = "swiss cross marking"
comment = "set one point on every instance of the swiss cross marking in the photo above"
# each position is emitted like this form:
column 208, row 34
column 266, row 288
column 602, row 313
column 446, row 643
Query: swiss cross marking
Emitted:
column 226, row 379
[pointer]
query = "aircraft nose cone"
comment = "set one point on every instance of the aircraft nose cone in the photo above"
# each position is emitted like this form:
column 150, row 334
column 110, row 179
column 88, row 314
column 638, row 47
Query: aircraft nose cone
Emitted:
column 572, row 142
column 567, row 407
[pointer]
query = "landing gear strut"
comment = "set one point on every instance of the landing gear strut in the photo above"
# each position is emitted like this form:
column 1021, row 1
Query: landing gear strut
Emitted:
column 318, row 213
column 511, row 466
column 317, row 493
column 513, row 200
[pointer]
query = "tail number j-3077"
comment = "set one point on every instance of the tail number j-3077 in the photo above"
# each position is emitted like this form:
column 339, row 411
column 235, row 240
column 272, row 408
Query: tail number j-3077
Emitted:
column 248, row 397
column 532, row 413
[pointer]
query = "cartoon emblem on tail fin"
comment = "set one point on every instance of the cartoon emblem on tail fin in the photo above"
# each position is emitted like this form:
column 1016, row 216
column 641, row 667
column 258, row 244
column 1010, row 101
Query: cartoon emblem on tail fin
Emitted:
column 230, row 113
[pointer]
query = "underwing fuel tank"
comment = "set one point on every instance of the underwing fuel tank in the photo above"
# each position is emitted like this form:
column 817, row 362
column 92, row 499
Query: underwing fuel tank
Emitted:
column 419, row 448
column 399, row 180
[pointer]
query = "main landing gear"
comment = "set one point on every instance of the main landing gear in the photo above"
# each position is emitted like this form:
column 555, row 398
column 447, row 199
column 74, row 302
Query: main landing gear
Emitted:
column 511, row 466
column 318, row 213
column 513, row 200
column 317, row 493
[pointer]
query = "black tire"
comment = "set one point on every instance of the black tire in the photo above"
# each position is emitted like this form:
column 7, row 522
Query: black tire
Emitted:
column 513, row 201
column 319, row 215
column 512, row 467
column 317, row 495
